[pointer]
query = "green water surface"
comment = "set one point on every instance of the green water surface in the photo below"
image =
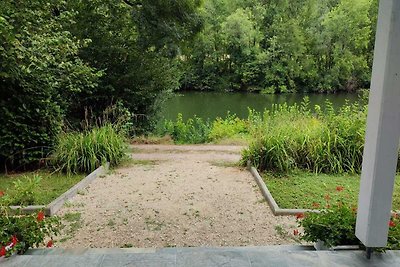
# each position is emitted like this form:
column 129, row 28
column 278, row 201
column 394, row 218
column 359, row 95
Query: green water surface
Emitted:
column 209, row 105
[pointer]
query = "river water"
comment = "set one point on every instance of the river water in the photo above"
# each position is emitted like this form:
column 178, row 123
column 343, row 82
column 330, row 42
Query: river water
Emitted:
column 209, row 105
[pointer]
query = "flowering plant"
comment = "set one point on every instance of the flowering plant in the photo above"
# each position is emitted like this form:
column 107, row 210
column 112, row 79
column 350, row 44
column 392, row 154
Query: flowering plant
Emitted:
column 20, row 232
column 394, row 232
column 335, row 225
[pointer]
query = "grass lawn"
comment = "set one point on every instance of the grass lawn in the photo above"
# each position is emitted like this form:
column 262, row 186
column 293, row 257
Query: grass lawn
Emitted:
column 51, row 185
column 310, row 191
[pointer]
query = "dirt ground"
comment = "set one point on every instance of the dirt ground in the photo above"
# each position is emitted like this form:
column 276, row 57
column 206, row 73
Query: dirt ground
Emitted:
column 173, row 196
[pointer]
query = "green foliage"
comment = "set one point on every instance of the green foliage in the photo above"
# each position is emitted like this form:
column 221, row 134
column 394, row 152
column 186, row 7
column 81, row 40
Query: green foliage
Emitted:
column 21, row 232
column 26, row 190
column 394, row 233
column 60, row 59
column 291, row 137
column 193, row 131
column 39, row 71
column 85, row 151
column 135, row 44
column 51, row 185
column 227, row 128
column 196, row 130
column 334, row 226
column 282, row 46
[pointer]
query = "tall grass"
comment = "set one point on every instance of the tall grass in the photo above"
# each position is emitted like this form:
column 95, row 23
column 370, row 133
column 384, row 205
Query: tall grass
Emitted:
column 317, row 139
column 85, row 151
column 287, row 137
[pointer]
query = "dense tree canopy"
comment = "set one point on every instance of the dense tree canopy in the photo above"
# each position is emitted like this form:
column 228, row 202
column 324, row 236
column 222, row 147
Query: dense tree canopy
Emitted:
column 39, row 71
column 282, row 46
column 60, row 58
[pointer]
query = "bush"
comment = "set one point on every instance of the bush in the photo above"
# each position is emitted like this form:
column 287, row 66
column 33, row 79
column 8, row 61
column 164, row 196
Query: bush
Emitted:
column 228, row 127
column 336, row 226
column 25, row 189
column 19, row 232
column 40, row 72
column 196, row 130
column 85, row 151
column 193, row 131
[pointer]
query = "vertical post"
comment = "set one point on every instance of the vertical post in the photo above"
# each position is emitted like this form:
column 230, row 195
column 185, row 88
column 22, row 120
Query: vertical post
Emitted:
column 383, row 131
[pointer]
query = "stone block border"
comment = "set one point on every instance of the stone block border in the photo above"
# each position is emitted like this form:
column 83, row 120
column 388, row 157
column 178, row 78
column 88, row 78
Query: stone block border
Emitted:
column 52, row 208
column 270, row 199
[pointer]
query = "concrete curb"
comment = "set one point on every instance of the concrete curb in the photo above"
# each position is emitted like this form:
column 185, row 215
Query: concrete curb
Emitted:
column 270, row 199
column 52, row 208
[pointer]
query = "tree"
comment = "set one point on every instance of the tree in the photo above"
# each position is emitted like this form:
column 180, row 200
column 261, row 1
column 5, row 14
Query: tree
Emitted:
column 135, row 45
column 39, row 71
column 305, row 45
column 347, row 33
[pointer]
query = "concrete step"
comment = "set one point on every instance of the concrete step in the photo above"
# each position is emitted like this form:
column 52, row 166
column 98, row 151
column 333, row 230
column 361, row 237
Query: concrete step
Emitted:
column 199, row 256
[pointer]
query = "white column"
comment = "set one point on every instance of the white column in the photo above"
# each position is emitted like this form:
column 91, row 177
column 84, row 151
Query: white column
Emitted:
column 383, row 131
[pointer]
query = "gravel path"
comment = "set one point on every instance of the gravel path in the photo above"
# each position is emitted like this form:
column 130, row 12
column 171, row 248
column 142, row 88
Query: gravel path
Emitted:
column 173, row 196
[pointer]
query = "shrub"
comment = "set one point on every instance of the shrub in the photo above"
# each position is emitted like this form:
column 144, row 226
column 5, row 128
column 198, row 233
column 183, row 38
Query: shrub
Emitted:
column 40, row 73
column 196, row 130
column 25, row 191
column 19, row 232
column 193, row 131
column 228, row 127
column 336, row 226
column 85, row 151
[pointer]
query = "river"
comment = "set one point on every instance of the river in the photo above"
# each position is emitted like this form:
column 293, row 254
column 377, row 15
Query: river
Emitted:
column 214, row 104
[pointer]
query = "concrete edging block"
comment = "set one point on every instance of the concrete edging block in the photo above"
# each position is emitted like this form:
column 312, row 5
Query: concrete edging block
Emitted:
column 56, row 204
column 270, row 199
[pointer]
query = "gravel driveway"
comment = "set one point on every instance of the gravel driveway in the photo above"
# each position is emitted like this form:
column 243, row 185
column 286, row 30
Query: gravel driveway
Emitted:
column 173, row 196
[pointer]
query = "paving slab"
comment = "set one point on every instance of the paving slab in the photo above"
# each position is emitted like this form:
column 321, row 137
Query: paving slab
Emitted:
column 281, row 256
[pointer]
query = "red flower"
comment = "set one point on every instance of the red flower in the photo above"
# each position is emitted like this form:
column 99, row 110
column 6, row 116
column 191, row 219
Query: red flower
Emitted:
column 327, row 197
column 299, row 216
column 50, row 244
column 391, row 223
column 339, row 188
column 395, row 215
column 1, row 193
column 40, row 216
column 14, row 240
column 295, row 232
column 315, row 205
column 3, row 251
